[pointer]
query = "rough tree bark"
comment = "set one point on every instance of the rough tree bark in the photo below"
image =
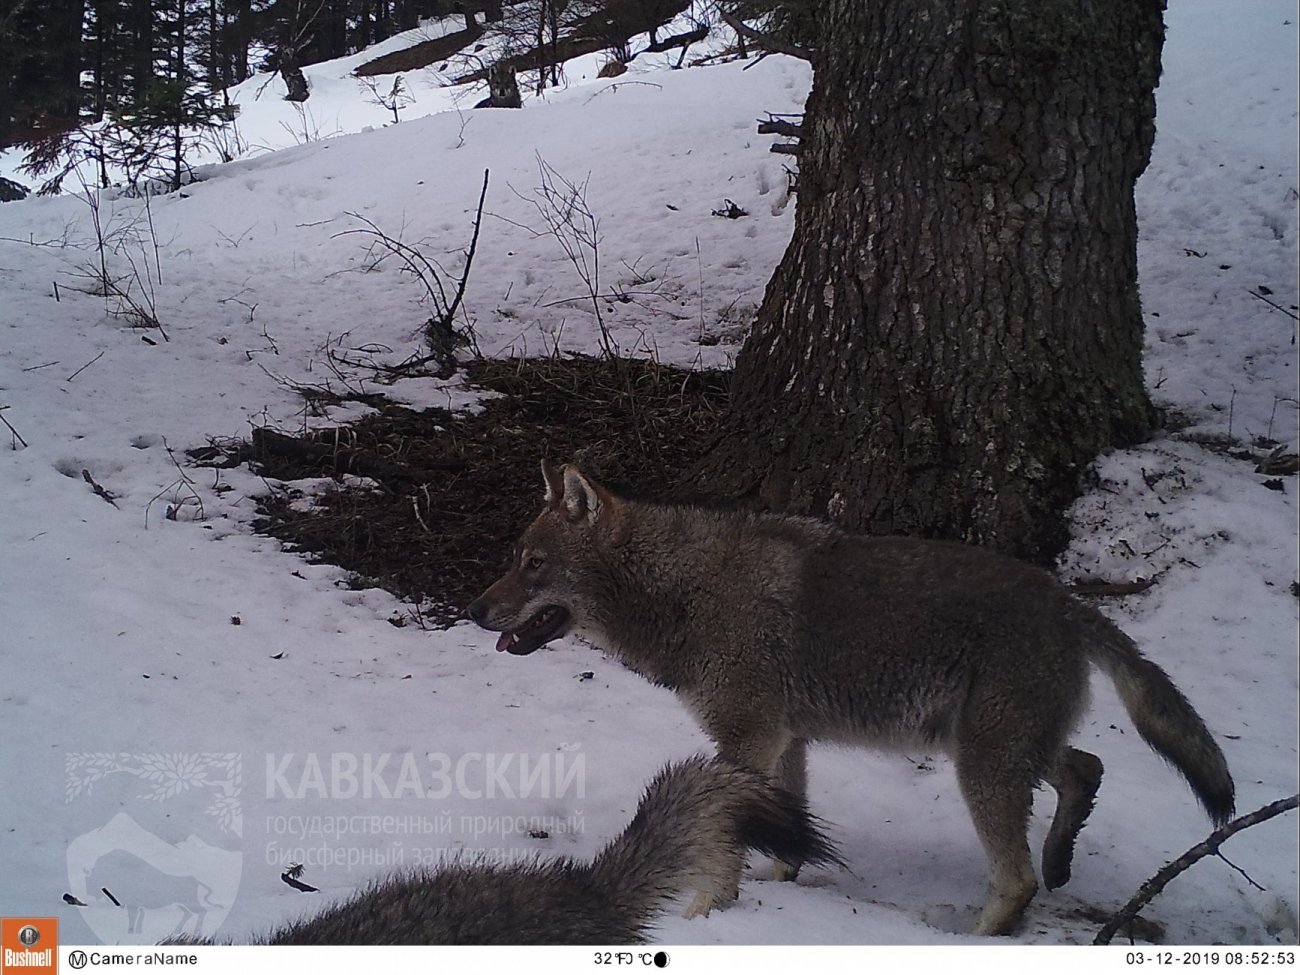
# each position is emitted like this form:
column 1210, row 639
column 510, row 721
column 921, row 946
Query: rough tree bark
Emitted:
column 954, row 332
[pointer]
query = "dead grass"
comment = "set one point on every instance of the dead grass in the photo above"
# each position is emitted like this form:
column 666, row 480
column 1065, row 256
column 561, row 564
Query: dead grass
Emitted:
column 456, row 490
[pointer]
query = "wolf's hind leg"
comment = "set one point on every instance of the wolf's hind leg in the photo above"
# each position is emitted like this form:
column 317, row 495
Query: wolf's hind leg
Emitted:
column 1076, row 778
column 792, row 775
column 1000, row 797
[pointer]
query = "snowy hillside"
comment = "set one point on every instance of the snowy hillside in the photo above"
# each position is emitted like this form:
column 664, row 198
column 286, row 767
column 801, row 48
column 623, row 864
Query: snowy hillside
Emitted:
column 178, row 688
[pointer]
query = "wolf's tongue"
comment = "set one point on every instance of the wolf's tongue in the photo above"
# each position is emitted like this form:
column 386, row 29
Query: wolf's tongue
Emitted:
column 504, row 641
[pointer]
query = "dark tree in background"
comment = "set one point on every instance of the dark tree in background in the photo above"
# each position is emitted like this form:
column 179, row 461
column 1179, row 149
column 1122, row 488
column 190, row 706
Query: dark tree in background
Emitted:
column 69, row 62
column 40, row 65
column 954, row 332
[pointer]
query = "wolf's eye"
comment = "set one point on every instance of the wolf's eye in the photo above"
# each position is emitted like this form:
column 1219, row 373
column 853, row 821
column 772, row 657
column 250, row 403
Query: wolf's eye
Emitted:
column 536, row 562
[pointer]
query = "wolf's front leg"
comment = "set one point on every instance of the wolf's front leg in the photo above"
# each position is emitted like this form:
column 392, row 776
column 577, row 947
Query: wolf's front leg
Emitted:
column 746, row 739
column 792, row 775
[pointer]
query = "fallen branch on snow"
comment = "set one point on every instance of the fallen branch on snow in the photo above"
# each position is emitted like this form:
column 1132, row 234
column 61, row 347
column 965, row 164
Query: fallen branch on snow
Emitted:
column 99, row 489
column 1111, row 588
column 1210, row 845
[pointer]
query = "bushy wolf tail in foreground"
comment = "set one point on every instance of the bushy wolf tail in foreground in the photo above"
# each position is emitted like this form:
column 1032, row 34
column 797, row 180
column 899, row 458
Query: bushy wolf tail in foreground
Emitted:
column 696, row 816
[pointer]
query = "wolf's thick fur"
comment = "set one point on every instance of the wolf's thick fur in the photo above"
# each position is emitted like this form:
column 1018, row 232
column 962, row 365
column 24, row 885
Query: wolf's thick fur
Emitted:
column 696, row 817
column 777, row 631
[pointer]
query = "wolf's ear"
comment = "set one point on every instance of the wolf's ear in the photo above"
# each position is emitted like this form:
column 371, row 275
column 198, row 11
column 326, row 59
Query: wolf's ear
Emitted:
column 554, row 481
column 583, row 497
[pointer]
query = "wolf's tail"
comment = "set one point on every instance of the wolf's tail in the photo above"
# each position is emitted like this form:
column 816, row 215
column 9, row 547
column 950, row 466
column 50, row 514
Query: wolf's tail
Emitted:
column 695, row 818
column 1165, row 719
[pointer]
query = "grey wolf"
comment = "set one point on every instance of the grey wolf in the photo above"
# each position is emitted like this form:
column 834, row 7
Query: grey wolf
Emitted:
column 695, row 818
column 777, row 631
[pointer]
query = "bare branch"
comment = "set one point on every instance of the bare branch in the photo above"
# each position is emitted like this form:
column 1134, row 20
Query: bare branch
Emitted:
column 98, row 488
column 469, row 254
column 85, row 367
column 16, row 434
column 1208, row 847
column 562, row 206
column 1111, row 588
column 1274, row 304
column 439, row 331
column 773, row 44
column 779, row 126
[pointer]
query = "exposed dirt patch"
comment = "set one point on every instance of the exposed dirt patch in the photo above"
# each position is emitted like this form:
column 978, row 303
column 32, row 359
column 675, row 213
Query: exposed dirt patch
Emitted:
column 455, row 490
column 603, row 30
column 421, row 55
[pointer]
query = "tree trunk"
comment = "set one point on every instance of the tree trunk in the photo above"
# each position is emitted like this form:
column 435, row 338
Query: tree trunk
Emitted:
column 362, row 36
column 142, row 49
column 408, row 15
column 954, row 332
column 243, row 20
column 180, row 74
column 214, row 50
column 103, row 38
column 541, row 45
column 69, row 22
column 383, row 25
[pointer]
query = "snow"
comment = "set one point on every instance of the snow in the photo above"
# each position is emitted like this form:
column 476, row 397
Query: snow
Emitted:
column 179, row 678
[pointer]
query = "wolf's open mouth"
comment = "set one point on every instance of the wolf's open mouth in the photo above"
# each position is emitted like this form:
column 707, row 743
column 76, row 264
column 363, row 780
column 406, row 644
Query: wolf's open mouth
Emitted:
column 544, row 626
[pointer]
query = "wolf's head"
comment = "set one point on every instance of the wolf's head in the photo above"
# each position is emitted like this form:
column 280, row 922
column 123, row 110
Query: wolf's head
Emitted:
column 548, row 589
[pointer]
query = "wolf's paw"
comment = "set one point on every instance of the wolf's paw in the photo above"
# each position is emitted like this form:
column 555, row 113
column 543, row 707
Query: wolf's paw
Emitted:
column 700, row 906
column 707, row 900
column 784, row 871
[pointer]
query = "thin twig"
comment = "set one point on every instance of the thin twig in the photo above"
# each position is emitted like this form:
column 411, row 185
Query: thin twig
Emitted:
column 622, row 297
column 469, row 255
column 1207, row 847
column 619, row 84
column 415, row 507
column 562, row 206
column 1284, row 311
column 86, row 366
column 440, row 326
column 11, row 429
column 699, row 263
column 183, row 483
column 1111, row 588
column 1249, row 879
column 98, row 488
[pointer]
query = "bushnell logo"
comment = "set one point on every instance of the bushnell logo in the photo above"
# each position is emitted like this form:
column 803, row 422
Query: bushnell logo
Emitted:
column 29, row 945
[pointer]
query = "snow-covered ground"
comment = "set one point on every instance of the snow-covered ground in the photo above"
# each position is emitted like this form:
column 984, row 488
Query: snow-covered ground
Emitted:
column 187, row 709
